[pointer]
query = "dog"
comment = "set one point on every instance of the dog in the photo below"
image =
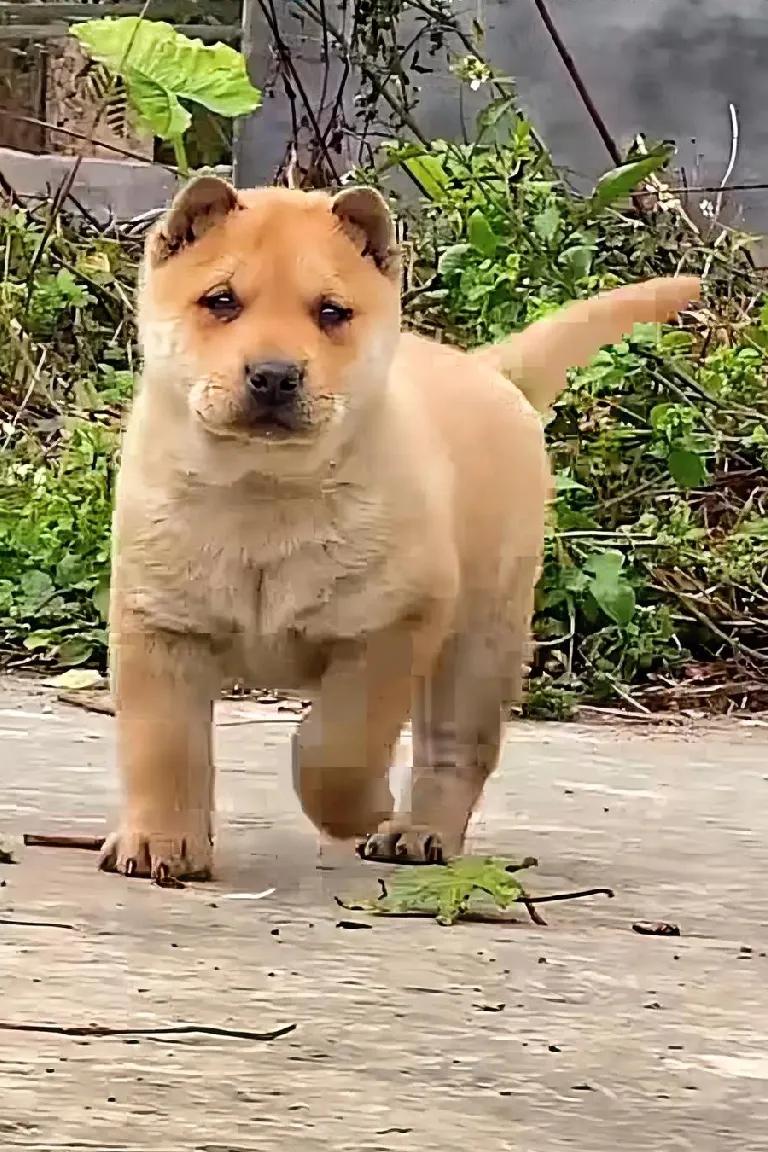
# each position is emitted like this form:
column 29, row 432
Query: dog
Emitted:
column 310, row 498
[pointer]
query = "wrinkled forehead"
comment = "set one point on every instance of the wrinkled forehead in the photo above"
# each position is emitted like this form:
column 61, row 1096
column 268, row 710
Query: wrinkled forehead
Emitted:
column 273, row 247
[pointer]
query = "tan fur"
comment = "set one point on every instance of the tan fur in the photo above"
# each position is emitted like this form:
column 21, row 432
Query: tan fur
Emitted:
column 382, row 553
column 538, row 359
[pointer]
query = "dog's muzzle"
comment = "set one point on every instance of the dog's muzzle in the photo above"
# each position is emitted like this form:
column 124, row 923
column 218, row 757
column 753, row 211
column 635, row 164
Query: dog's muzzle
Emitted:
column 275, row 390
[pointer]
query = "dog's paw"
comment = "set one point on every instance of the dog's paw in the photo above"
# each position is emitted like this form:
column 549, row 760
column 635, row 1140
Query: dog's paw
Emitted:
column 397, row 842
column 162, row 857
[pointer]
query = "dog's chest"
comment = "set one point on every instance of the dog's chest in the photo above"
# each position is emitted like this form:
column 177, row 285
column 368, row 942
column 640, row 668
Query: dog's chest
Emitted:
column 317, row 567
column 329, row 570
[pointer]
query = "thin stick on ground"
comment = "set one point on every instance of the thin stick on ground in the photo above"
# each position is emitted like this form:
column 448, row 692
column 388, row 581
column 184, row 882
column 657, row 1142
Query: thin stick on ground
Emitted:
column 99, row 1030
column 530, row 902
column 570, row 895
column 62, row 840
column 12, row 922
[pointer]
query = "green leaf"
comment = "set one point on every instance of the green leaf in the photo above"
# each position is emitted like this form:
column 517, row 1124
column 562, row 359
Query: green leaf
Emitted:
column 75, row 650
column 158, row 111
column 659, row 414
column 445, row 891
column 36, row 641
column 428, row 172
column 101, row 599
column 565, row 483
column 480, row 234
column 161, row 67
column 756, row 528
column 687, row 468
column 76, row 679
column 579, row 260
column 547, row 223
column 453, row 259
column 69, row 570
column 36, row 587
column 647, row 335
column 621, row 182
column 612, row 592
column 605, row 565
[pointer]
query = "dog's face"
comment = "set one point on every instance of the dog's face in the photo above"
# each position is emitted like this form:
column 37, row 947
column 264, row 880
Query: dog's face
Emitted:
column 271, row 312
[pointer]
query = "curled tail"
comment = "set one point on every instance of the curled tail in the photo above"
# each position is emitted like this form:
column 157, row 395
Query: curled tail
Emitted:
column 537, row 359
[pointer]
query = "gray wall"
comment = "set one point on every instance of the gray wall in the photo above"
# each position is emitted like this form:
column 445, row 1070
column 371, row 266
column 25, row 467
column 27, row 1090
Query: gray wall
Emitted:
column 666, row 67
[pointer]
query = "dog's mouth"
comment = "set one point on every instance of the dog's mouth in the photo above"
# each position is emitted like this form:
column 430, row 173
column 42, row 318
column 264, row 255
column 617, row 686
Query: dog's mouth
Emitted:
column 278, row 421
column 249, row 423
column 269, row 426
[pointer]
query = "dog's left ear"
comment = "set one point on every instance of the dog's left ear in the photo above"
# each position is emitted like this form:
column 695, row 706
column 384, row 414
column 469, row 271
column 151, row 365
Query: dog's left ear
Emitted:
column 200, row 204
column 364, row 216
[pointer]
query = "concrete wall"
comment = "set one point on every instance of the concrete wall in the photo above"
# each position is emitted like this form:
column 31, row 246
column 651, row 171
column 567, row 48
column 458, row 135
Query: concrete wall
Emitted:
column 668, row 67
column 122, row 189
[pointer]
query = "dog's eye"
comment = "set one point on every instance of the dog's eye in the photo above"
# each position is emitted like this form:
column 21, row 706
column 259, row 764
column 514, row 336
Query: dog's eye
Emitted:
column 222, row 303
column 331, row 315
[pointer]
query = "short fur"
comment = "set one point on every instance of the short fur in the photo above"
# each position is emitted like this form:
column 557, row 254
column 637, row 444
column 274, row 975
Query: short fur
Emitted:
column 379, row 550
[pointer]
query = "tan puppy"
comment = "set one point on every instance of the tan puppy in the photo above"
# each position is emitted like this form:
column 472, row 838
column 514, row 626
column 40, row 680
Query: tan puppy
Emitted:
column 309, row 497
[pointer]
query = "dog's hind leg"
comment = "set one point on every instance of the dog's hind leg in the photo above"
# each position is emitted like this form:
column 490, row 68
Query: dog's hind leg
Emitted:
column 457, row 733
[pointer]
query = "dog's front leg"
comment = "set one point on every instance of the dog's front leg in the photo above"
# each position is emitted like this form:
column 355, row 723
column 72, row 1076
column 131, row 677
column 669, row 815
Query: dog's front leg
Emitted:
column 342, row 752
column 164, row 688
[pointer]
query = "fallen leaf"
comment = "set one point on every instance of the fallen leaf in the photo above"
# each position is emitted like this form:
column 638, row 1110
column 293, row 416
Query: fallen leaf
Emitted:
column 76, row 679
column 444, row 891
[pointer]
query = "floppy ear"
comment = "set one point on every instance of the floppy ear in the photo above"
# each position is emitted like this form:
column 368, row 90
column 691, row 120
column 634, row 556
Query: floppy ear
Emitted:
column 195, row 209
column 364, row 216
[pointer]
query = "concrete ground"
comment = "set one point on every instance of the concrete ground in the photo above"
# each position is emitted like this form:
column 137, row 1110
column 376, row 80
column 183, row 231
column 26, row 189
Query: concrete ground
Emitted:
column 581, row 1035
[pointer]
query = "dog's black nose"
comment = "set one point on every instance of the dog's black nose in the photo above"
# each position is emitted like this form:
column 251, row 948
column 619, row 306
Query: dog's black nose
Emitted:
column 274, row 382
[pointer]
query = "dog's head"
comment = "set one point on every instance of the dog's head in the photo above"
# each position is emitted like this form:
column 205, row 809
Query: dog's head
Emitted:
column 271, row 312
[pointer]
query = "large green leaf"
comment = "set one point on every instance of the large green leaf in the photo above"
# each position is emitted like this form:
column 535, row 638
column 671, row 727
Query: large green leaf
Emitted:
column 480, row 234
column 74, row 650
column 621, row 182
column 547, row 224
column 687, row 468
column 453, row 259
column 161, row 68
column 36, row 587
column 428, row 172
column 611, row 590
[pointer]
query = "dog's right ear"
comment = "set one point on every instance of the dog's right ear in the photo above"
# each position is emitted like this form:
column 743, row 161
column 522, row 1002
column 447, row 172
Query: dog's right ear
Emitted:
column 363, row 215
column 200, row 205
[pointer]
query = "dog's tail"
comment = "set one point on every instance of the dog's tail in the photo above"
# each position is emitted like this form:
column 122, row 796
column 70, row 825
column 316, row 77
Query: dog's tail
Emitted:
column 537, row 359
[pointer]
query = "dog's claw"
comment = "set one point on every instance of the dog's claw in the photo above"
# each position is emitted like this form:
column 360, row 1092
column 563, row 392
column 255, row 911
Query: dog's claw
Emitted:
column 162, row 859
column 393, row 844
